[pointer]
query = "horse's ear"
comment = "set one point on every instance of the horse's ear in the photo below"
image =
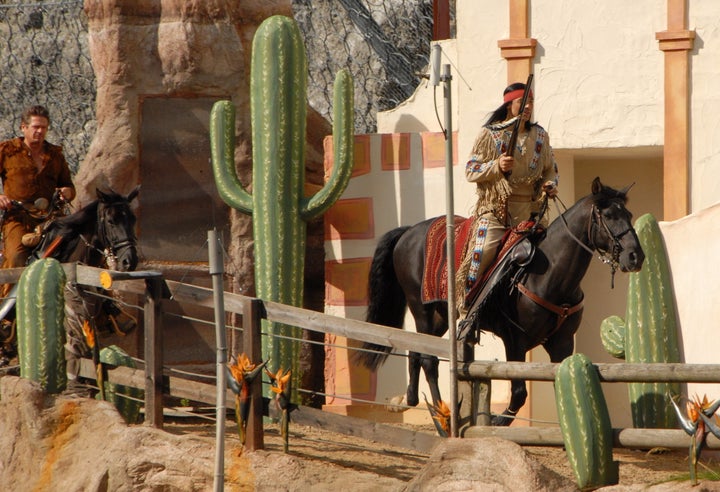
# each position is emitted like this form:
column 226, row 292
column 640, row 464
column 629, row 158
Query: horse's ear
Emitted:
column 625, row 190
column 597, row 186
column 133, row 194
column 103, row 197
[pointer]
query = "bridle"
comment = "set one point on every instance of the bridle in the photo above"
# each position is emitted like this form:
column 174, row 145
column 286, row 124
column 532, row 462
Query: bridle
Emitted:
column 113, row 242
column 609, row 257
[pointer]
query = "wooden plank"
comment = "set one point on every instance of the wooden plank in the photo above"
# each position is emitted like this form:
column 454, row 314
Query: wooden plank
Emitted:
column 319, row 322
column 352, row 426
column 203, row 296
column 108, row 277
column 622, row 438
column 608, row 372
column 12, row 275
column 358, row 330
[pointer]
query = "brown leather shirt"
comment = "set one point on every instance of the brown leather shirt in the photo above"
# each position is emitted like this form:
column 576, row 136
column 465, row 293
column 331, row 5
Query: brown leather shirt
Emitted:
column 20, row 177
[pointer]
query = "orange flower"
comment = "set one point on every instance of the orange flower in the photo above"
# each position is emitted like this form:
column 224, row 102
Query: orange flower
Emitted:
column 89, row 334
column 241, row 367
column 281, row 381
column 442, row 415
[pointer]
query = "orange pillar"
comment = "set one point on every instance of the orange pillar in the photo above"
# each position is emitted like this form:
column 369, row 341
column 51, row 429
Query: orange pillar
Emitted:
column 676, row 42
column 518, row 49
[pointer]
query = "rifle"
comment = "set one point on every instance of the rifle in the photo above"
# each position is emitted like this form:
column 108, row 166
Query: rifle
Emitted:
column 516, row 129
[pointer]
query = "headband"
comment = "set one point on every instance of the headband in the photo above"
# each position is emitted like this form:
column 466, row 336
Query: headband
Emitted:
column 512, row 95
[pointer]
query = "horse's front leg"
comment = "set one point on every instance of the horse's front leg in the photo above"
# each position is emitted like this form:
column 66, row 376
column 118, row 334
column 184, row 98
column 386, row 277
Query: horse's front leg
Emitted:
column 514, row 352
column 560, row 347
column 518, row 395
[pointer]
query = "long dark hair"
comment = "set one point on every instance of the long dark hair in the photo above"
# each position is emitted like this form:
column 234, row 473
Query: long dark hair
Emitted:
column 501, row 113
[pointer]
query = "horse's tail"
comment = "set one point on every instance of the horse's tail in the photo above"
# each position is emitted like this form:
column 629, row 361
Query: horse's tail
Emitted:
column 387, row 301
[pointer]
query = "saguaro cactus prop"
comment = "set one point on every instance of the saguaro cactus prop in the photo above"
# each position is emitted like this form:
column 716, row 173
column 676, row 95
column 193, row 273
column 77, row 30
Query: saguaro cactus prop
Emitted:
column 649, row 331
column 585, row 423
column 40, row 316
column 278, row 89
column 127, row 399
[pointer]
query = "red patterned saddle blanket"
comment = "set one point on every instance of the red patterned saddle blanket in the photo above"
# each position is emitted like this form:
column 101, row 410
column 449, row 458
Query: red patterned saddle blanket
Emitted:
column 434, row 284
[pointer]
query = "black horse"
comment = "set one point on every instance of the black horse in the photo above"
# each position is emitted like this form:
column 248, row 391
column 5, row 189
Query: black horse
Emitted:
column 539, row 304
column 101, row 234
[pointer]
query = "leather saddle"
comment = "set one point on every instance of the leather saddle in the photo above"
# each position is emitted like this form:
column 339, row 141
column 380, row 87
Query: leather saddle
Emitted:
column 515, row 255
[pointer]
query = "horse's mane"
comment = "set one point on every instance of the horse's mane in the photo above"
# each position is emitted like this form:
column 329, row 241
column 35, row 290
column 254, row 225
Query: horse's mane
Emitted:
column 74, row 222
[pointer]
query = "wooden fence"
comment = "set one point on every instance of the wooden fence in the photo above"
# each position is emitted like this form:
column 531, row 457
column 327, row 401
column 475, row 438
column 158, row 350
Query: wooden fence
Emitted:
column 473, row 376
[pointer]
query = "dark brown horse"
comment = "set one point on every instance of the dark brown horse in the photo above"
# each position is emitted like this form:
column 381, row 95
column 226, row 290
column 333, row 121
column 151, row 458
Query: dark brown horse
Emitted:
column 538, row 304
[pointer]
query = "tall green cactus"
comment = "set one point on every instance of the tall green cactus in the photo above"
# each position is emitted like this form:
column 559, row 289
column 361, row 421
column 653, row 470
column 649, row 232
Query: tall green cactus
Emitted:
column 40, row 314
column 649, row 332
column 280, row 211
column 585, row 423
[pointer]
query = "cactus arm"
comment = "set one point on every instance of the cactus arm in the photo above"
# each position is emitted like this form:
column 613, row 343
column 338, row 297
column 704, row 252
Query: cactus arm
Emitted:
column 612, row 335
column 343, row 151
column 222, row 151
column 585, row 422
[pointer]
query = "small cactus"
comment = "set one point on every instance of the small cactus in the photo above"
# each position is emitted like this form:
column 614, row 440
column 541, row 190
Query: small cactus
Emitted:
column 40, row 316
column 585, row 423
column 649, row 332
column 128, row 400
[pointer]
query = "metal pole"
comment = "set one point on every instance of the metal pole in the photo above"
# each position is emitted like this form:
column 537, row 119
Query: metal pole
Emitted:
column 450, row 225
column 216, row 272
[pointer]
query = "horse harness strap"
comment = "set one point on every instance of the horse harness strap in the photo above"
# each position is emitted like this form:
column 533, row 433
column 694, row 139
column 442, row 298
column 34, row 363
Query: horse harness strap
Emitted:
column 563, row 312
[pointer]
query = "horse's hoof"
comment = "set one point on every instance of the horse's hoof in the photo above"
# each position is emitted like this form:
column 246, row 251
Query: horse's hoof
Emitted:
column 397, row 404
column 500, row 421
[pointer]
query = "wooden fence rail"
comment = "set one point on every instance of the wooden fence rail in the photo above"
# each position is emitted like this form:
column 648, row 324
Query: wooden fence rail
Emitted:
column 620, row 372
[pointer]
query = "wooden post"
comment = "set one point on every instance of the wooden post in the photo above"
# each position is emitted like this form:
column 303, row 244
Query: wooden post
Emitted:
column 251, row 323
column 153, row 354
column 473, row 395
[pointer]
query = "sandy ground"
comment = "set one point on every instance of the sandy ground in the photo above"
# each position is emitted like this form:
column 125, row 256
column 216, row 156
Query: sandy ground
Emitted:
column 350, row 459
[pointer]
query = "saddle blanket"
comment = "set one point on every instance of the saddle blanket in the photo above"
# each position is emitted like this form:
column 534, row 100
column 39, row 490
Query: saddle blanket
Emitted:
column 434, row 283
column 435, row 279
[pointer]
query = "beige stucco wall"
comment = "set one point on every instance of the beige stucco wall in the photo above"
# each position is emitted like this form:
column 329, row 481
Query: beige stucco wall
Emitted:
column 705, row 105
column 599, row 91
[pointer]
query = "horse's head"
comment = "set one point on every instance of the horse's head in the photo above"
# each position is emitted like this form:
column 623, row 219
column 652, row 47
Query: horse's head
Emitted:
column 611, row 230
column 116, row 228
